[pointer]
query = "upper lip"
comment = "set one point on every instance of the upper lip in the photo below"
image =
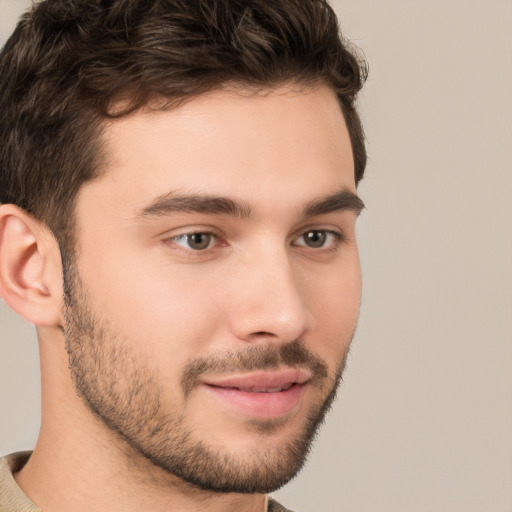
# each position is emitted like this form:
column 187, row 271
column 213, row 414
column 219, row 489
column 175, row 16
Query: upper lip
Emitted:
column 274, row 380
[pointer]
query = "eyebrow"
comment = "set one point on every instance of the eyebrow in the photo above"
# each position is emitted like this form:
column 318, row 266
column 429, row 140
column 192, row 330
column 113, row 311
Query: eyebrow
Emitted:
column 198, row 203
column 342, row 200
column 173, row 202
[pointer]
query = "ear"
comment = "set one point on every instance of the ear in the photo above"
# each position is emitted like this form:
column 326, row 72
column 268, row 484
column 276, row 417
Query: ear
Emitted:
column 30, row 267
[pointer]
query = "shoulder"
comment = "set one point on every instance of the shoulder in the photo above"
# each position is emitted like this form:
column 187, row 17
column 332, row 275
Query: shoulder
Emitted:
column 12, row 498
column 274, row 506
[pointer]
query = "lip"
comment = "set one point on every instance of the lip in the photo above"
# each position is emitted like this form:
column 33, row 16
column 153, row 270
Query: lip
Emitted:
column 264, row 395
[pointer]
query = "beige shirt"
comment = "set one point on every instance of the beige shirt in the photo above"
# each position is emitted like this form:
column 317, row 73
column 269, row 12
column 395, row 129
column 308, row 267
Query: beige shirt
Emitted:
column 13, row 499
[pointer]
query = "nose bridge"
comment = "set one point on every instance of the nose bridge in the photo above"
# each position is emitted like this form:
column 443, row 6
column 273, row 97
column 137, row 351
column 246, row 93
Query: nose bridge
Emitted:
column 270, row 300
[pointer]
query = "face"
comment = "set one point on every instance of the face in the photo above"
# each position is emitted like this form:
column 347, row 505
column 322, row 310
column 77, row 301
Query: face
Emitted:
column 216, row 285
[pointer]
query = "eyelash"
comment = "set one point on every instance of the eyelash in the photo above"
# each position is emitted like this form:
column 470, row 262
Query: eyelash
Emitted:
column 335, row 237
column 187, row 236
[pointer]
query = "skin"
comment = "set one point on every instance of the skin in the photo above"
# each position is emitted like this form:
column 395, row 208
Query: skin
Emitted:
column 159, row 305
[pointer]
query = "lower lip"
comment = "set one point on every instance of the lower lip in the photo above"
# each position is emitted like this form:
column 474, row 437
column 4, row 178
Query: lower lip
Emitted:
column 261, row 405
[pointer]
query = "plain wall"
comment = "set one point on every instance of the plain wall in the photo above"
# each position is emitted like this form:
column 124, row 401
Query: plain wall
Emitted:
column 423, row 422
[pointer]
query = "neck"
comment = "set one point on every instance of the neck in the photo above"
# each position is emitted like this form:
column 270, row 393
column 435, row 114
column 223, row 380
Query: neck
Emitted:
column 79, row 464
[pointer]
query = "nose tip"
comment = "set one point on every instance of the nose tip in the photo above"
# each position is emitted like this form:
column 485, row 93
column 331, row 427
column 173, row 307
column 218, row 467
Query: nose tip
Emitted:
column 250, row 326
column 270, row 307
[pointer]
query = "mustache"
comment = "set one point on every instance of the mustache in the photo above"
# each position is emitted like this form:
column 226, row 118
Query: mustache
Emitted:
column 252, row 358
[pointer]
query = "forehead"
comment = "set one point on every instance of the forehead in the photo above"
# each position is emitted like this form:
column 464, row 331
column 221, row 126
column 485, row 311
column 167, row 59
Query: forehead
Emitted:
column 230, row 143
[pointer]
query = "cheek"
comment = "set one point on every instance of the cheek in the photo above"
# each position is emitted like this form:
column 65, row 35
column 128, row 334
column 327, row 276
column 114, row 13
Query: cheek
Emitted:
column 342, row 300
column 168, row 312
column 335, row 308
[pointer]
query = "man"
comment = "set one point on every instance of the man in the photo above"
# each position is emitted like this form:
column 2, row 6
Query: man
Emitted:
column 178, row 221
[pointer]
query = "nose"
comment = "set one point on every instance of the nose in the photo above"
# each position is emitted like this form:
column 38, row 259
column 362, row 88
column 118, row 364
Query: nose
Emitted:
column 269, row 300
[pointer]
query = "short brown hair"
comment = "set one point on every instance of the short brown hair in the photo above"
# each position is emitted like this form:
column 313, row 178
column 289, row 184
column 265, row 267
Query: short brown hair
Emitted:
column 69, row 61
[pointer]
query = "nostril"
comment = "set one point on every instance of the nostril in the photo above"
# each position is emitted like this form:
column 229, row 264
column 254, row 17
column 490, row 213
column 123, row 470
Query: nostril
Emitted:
column 255, row 318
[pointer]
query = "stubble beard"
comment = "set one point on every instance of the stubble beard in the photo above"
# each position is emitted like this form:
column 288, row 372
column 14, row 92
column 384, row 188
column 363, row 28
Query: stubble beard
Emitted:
column 124, row 393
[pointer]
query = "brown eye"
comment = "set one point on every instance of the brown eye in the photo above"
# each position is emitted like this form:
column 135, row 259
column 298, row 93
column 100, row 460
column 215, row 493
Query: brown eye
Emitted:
column 318, row 239
column 315, row 238
column 194, row 241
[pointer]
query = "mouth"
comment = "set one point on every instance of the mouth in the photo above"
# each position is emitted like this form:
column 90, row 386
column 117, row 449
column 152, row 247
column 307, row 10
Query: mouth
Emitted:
column 264, row 395
column 277, row 389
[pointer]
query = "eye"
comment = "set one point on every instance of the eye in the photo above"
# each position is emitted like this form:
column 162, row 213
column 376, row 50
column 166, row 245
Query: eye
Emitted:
column 195, row 241
column 318, row 239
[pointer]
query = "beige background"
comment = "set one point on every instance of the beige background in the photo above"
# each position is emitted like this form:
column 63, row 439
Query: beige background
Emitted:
column 424, row 420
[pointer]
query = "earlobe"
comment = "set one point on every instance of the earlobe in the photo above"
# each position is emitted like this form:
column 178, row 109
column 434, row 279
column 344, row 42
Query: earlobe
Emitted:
column 29, row 257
